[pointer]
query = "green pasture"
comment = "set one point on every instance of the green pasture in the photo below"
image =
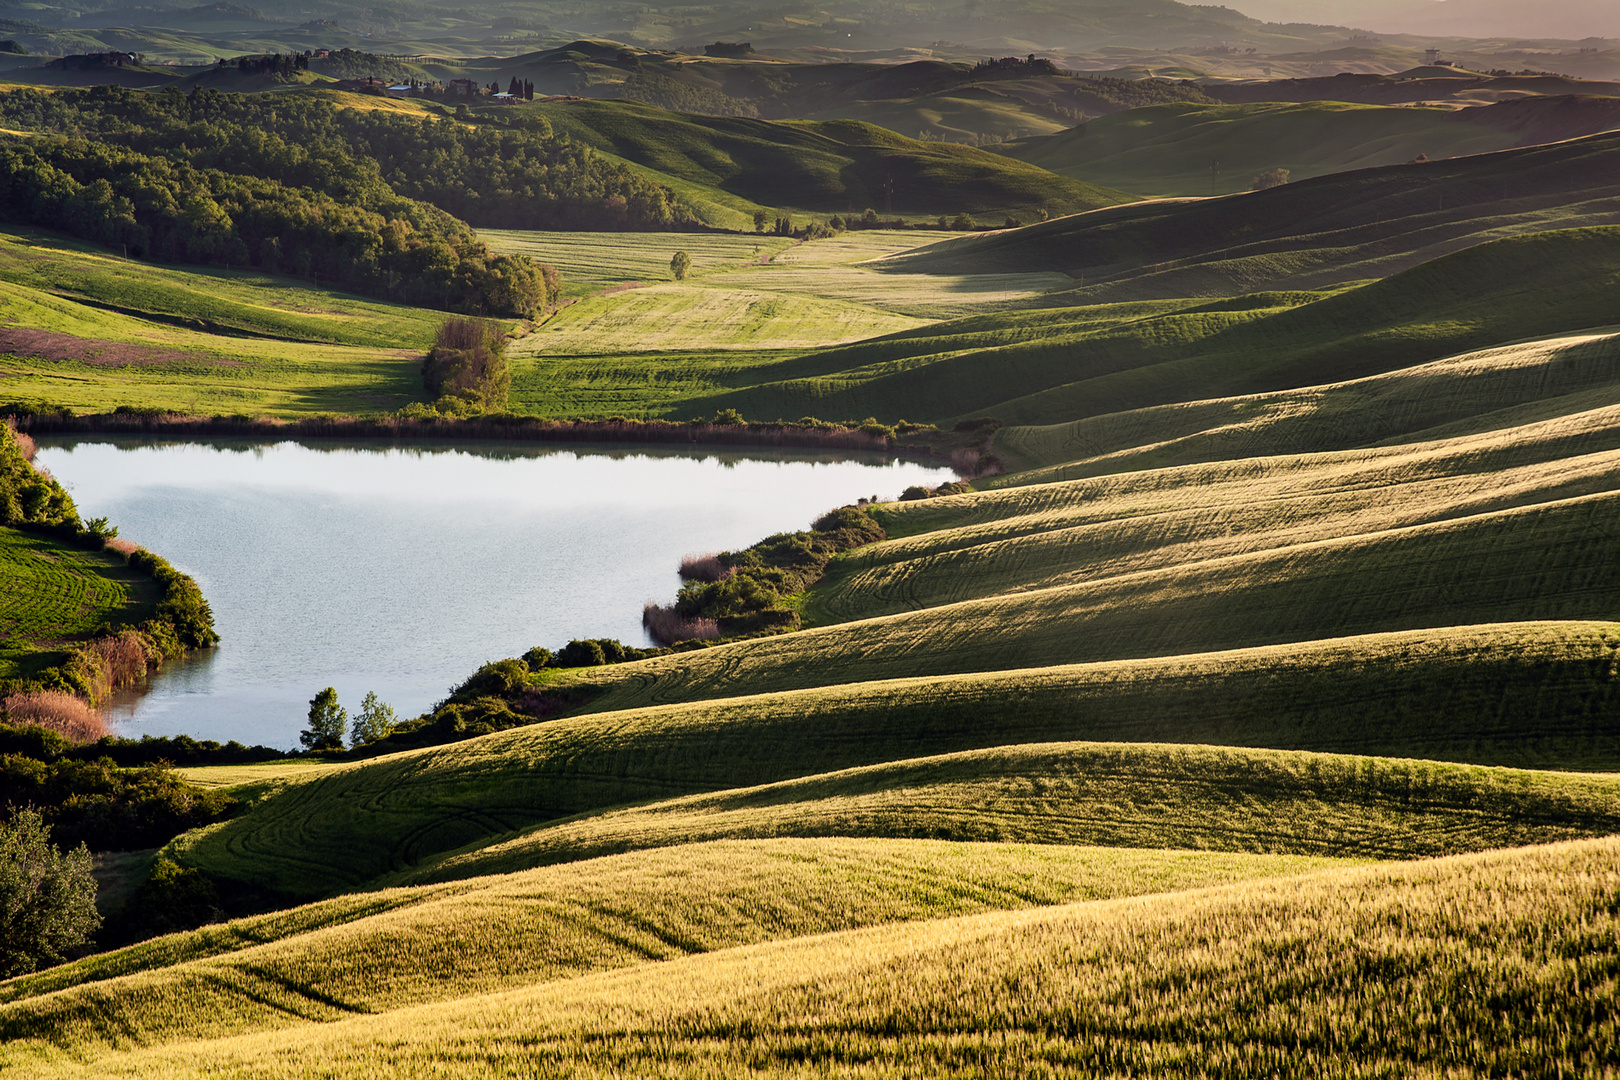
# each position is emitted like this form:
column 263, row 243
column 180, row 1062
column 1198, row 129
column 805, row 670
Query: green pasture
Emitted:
column 1030, row 536
column 1189, row 149
column 594, row 258
column 1462, row 694
column 61, row 352
column 1531, row 390
column 822, row 167
column 403, row 947
column 1368, row 223
column 680, row 317
column 51, row 595
column 1496, row 962
column 233, row 303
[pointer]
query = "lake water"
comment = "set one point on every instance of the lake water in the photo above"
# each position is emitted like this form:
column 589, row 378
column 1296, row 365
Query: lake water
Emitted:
column 400, row 570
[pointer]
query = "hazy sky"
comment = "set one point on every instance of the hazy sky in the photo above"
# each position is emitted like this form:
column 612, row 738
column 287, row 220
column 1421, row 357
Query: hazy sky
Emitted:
column 1461, row 18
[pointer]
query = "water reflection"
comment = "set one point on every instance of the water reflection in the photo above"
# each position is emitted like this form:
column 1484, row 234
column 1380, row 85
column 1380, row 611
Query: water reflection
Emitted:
column 400, row 569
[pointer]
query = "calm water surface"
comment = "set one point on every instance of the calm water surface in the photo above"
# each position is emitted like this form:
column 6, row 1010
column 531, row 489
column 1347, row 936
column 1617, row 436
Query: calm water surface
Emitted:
column 401, row 570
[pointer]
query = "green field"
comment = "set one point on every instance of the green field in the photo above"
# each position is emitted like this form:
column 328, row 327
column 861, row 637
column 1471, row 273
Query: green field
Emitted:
column 1329, row 230
column 1188, row 149
column 92, row 332
column 821, row 167
column 52, row 595
column 1261, row 717
column 1161, row 982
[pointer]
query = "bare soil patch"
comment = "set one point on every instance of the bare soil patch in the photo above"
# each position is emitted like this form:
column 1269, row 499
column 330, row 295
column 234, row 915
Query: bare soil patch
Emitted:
column 51, row 345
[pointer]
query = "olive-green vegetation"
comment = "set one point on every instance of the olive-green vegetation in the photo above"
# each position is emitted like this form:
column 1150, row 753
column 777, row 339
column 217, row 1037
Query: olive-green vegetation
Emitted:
column 1486, row 964
column 1045, row 366
column 50, row 591
column 1541, row 695
column 1332, row 229
column 321, row 962
column 826, row 167
column 1216, row 149
column 231, row 302
column 596, row 258
column 47, row 898
column 92, row 332
column 278, row 185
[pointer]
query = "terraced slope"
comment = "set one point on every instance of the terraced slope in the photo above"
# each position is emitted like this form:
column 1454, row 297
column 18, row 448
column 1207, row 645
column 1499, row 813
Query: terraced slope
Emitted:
column 1541, row 695
column 1331, row 229
column 1502, row 962
column 403, row 947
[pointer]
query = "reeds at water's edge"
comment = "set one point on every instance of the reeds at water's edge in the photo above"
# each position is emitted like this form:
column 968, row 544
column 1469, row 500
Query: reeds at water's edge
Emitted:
column 70, row 717
column 667, row 626
column 704, row 567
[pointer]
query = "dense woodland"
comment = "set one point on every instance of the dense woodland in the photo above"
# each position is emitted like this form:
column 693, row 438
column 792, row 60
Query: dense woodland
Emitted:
column 299, row 186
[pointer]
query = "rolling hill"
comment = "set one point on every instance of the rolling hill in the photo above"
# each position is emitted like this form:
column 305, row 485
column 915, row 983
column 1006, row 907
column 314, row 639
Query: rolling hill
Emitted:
column 1190, row 149
column 1332, row 229
column 829, row 167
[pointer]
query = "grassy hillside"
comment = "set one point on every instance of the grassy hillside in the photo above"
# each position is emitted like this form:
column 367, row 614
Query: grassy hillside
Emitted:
column 1542, row 695
column 1345, row 227
column 399, row 948
column 52, row 595
column 1501, row 962
column 1191, row 149
column 92, row 332
column 829, row 167
column 1061, row 366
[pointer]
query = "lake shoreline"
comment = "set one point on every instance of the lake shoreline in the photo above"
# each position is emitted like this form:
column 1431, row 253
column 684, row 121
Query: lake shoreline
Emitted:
column 504, row 429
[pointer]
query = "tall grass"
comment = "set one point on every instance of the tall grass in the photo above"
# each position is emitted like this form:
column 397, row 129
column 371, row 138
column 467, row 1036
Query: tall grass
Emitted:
column 704, row 567
column 1493, row 965
column 407, row 946
column 106, row 663
column 68, row 716
column 668, row 626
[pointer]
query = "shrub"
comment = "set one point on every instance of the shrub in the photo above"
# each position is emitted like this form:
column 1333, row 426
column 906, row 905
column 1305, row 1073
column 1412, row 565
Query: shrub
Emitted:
column 327, row 721
column 173, row 898
column 963, row 223
column 538, row 658
column 468, row 362
column 728, row 418
column 499, row 678
column 955, row 487
column 915, row 492
column 680, row 265
column 47, row 899
column 581, row 654
column 1269, row 179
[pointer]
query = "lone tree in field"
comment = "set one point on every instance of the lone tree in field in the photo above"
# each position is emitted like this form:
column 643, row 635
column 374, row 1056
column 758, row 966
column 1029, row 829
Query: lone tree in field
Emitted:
column 761, row 219
column 1269, row 179
column 468, row 362
column 680, row 265
column 47, row 899
column 377, row 720
column 327, row 722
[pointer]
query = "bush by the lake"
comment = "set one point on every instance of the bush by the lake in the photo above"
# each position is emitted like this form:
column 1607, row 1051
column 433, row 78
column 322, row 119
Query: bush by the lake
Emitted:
column 468, row 362
column 47, row 898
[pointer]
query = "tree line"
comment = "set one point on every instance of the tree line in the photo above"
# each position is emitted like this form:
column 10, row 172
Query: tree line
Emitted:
column 369, row 201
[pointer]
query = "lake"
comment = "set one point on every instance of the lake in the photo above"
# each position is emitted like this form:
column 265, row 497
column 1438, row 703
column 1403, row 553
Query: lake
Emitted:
column 400, row 570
